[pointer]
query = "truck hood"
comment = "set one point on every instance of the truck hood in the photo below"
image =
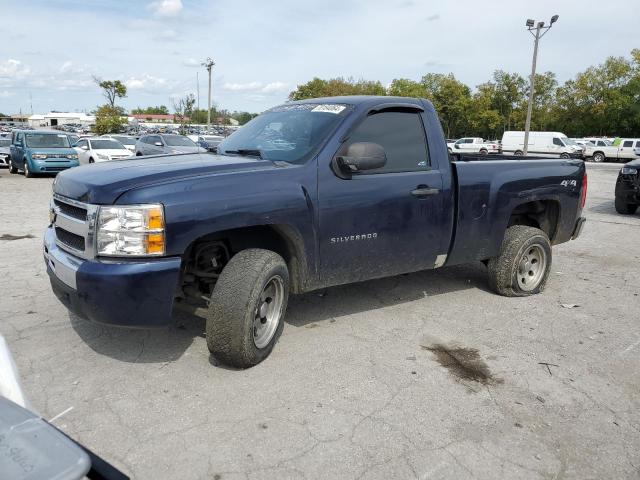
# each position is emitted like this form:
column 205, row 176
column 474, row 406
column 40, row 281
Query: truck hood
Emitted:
column 103, row 183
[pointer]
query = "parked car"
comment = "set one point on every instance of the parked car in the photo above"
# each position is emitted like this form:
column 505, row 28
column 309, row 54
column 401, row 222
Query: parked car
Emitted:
column 34, row 152
column 552, row 144
column 628, row 188
column 163, row 143
column 100, row 149
column 599, row 142
column 305, row 196
column 473, row 145
column 5, row 152
column 128, row 141
column 623, row 152
column 209, row 142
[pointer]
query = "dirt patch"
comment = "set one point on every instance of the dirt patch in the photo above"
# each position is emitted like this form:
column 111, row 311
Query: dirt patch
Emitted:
column 464, row 363
column 9, row 236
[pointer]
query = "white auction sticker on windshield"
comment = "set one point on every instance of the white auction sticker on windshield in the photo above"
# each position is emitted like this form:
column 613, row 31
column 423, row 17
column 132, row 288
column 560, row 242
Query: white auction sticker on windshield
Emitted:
column 329, row 108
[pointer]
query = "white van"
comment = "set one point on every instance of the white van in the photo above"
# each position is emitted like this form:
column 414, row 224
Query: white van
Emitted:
column 548, row 144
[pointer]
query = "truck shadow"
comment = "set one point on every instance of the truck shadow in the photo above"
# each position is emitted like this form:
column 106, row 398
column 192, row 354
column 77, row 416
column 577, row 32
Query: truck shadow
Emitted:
column 167, row 345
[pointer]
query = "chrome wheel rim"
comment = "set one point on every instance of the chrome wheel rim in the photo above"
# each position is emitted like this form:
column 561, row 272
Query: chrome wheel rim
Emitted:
column 268, row 312
column 597, row 158
column 531, row 267
column 26, row 168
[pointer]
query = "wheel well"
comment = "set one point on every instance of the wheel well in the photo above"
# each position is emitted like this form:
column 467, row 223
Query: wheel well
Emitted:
column 542, row 214
column 206, row 256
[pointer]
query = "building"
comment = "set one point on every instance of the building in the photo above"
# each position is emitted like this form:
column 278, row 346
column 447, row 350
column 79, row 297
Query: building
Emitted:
column 53, row 119
column 156, row 118
column 14, row 120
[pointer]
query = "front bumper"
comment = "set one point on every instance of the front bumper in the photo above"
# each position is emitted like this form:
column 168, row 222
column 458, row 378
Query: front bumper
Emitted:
column 124, row 293
column 628, row 187
column 4, row 160
column 52, row 165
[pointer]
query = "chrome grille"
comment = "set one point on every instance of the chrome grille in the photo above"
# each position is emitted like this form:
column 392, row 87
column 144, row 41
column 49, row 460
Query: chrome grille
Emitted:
column 74, row 224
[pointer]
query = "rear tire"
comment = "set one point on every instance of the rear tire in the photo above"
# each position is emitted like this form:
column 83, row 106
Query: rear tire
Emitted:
column 522, row 266
column 484, row 152
column 624, row 207
column 518, row 153
column 12, row 168
column 91, row 160
column 245, row 316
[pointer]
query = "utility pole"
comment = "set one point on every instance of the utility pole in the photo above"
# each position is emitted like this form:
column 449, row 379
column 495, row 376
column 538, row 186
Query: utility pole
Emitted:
column 208, row 64
column 538, row 31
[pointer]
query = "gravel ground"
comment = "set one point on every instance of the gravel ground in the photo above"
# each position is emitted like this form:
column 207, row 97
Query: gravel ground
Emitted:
column 362, row 383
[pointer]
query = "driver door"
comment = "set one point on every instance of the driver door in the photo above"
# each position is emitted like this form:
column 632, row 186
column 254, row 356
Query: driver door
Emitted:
column 382, row 222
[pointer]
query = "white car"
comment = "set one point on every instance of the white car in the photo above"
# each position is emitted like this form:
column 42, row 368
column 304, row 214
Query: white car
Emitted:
column 473, row 145
column 128, row 142
column 98, row 149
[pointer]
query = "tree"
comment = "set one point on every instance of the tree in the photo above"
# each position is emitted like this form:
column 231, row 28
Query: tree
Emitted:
column 159, row 110
column 109, row 119
column 112, row 89
column 184, row 110
column 336, row 87
column 243, row 117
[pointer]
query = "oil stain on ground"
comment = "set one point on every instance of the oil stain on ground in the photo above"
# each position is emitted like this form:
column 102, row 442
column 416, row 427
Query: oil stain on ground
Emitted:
column 8, row 236
column 463, row 363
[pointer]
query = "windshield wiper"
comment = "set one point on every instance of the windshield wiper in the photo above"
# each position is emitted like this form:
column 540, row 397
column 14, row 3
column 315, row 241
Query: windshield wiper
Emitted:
column 251, row 152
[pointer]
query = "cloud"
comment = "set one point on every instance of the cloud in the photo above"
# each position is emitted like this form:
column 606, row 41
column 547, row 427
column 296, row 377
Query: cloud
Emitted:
column 166, row 34
column 14, row 69
column 191, row 62
column 431, row 18
column 6, row 94
column 256, row 87
column 146, row 82
column 166, row 8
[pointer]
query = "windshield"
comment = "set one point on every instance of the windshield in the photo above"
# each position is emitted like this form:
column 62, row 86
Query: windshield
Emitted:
column 125, row 140
column 290, row 133
column 5, row 142
column 106, row 145
column 178, row 141
column 568, row 141
column 47, row 140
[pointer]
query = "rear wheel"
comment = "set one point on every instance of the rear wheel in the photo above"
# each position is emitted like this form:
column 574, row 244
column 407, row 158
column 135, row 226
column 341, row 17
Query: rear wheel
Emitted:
column 522, row 267
column 91, row 160
column 598, row 157
column 624, row 207
column 518, row 153
column 12, row 169
column 246, row 311
column 484, row 151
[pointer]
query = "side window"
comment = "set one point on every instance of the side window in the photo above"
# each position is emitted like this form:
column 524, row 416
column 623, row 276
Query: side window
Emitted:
column 638, row 144
column 81, row 143
column 155, row 138
column 628, row 143
column 20, row 138
column 468, row 140
column 401, row 134
column 557, row 141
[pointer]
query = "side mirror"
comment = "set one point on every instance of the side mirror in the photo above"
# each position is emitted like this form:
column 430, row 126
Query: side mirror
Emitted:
column 158, row 144
column 363, row 156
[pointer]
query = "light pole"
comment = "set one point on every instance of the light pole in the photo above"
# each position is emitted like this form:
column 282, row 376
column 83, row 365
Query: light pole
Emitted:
column 208, row 64
column 538, row 31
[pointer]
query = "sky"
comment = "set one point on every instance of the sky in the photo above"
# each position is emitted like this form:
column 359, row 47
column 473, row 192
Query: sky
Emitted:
column 51, row 49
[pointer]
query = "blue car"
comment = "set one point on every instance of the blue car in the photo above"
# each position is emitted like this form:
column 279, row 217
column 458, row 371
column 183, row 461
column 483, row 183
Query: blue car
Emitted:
column 36, row 152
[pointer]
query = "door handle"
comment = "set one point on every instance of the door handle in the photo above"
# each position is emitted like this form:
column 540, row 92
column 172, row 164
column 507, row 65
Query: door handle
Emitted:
column 424, row 191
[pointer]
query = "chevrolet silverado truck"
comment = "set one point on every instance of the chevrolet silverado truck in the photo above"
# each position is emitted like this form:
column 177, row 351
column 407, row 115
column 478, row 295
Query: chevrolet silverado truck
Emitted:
column 308, row 195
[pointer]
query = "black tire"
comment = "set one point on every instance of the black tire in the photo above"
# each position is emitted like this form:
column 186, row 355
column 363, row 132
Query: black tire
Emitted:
column 624, row 207
column 91, row 160
column 27, row 172
column 484, row 151
column 12, row 169
column 518, row 153
column 138, row 154
column 598, row 157
column 234, row 306
column 565, row 155
column 504, row 269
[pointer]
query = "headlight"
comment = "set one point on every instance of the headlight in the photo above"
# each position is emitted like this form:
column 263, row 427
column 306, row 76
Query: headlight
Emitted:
column 39, row 156
column 628, row 171
column 73, row 156
column 135, row 230
column 102, row 156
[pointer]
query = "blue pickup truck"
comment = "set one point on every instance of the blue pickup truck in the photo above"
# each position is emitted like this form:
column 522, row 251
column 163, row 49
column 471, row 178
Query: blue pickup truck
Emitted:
column 308, row 195
column 35, row 152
